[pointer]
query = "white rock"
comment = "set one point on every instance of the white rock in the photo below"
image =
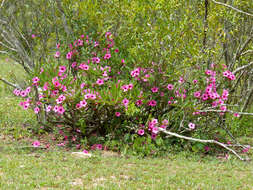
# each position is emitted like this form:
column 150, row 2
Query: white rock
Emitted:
column 81, row 154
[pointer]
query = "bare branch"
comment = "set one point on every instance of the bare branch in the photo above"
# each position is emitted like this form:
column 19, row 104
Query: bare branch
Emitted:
column 2, row 4
column 235, row 9
column 229, row 111
column 246, row 103
column 6, row 46
column 203, row 141
column 9, row 83
column 246, row 52
column 240, row 50
column 242, row 68
column 66, row 27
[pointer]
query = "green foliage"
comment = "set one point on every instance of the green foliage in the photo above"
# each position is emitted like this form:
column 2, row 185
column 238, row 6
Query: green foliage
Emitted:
column 166, row 36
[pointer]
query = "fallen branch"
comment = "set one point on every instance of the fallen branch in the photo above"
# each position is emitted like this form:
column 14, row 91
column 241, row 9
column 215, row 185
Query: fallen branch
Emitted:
column 203, row 141
column 229, row 6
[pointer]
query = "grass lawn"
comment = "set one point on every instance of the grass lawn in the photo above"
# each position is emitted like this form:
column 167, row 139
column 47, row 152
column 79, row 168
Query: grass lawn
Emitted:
column 30, row 168
column 24, row 168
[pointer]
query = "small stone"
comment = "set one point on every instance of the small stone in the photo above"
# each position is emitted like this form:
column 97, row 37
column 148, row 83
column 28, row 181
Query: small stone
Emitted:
column 81, row 154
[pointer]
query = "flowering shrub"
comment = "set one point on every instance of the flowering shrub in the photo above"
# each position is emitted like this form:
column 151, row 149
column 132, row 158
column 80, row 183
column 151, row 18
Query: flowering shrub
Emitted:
column 89, row 89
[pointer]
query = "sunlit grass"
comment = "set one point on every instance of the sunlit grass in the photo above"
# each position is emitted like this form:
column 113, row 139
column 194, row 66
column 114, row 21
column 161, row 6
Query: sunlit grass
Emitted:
column 58, row 169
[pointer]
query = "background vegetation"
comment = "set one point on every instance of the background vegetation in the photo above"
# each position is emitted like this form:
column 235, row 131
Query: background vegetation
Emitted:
column 184, row 38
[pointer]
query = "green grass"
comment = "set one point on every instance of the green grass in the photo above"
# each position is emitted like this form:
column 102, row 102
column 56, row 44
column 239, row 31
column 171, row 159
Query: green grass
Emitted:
column 23, row 167
column 13, row 119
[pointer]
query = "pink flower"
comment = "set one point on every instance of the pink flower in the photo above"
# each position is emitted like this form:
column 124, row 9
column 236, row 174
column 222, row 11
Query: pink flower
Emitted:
column 57, row 54
column 35, row 80
column 197, row 94
column 85, row 151
column 36, row 110
column 220, row 101
column 205, row 97
column 33, row 36
column 99, row 146
column 154, row 89
column 26, row 106
column 246, row 149
column 73, row 65
column 191, row 125
column 153, row 136
column 229, row 75
column 16, row 92
column 152, row 103
column 232, row 77
column 214, row 104
column 181, row 80
column 36, row 144
column 154, row 121
column 96, row 44
column 28, row 90
column 61, row 144
column 130, row 86
column 56, row 84
column 45, row 87
column 84, row 67
column 96, row 59
column 140, row 132
column 155, row 130
column 100, row 81
column 207, row 148
column 83, row 103
column 124, row 88
column 170, row 87
column 23, row 93
column 78, row 106
column 58, row 45
column 48, row 109
column 55, row 109
column 208, row 72
column 135, row 72
column 62, row 69
column 60, row 110
column 117, row 114
column 195, row 81
column 125, row 102
column 163, row 126
column 107, row 56
column 223, row 108
column 165, row 122
column 69, row 55
column 236, row 115
column 139, row 102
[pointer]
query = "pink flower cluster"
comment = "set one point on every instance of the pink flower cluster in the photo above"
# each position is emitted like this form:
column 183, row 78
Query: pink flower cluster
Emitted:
column 97, row 147
column 135, row 73
column 79, row 84
column 211, row 93
column 127, row 87
column 153, row 127
column 228, row 74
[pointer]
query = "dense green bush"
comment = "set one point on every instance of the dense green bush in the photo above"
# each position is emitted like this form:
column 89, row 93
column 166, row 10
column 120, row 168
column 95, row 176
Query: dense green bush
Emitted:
column 147, row 64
